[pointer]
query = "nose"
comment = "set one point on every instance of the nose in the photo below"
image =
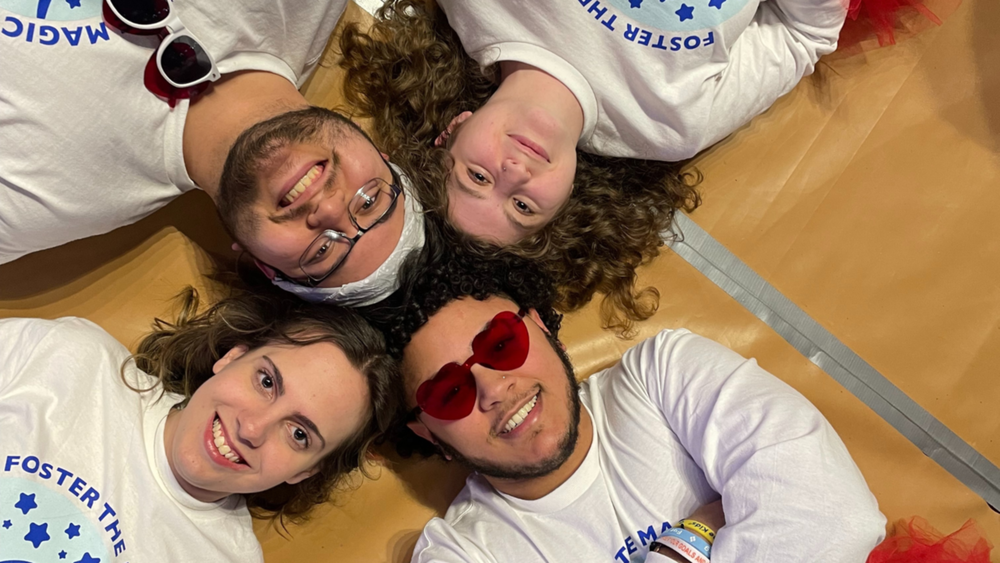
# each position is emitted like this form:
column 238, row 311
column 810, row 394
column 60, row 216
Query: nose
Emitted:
column 493, row 386
column 252, row 426
column 331, row 212
column 514, row 171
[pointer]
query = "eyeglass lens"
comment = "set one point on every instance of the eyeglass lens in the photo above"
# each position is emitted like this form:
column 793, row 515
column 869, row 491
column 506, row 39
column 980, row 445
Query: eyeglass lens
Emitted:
column 185, row 61
column 367, row 207
column 142, row 12
column 502, row 346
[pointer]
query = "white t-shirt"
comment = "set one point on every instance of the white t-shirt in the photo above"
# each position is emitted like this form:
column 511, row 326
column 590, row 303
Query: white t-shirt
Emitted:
column 83, row 469
column 656, row 79
column 679, row 421
column 84, row 146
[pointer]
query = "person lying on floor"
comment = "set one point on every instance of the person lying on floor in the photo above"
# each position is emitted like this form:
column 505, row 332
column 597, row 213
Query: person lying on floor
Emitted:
column 604, row 469
column 557, row 121
column 255, row 407
column 103, row 123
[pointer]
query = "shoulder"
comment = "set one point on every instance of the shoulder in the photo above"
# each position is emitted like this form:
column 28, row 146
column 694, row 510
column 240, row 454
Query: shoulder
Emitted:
column 462, row 534
column 66, row 331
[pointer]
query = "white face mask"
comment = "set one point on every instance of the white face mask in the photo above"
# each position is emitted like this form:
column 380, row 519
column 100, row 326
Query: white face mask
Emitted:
column 383, row 281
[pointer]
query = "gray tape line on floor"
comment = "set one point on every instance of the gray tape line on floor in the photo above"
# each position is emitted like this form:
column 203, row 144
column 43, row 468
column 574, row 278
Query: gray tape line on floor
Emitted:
column 816, row 343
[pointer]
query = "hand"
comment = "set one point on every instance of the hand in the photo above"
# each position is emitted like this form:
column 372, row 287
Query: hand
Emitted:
column 710, row 515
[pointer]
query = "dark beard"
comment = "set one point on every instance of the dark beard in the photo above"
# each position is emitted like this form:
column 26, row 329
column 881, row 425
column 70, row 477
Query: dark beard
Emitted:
column 521, row 472
column 239, row 184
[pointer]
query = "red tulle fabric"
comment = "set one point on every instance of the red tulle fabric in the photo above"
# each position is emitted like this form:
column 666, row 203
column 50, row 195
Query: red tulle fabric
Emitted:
column 916, row 541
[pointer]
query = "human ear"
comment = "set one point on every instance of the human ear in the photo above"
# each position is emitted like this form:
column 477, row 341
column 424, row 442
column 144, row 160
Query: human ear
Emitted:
column 455, row 122
column 302, row 476
column 236, row 247
column 234, row 353
column 421, row 430
column 268, row 271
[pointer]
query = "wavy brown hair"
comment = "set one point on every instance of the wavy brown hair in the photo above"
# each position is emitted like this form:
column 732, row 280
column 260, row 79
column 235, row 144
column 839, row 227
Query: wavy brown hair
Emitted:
column 181, row 355
column 411, row 76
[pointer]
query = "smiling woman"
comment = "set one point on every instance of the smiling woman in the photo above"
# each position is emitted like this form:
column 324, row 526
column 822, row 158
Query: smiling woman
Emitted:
column 258, row 406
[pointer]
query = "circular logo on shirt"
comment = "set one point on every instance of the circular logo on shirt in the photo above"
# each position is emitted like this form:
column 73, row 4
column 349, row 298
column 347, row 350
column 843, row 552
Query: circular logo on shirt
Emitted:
column 679, row 15
column 54, row 10
column 39, row 525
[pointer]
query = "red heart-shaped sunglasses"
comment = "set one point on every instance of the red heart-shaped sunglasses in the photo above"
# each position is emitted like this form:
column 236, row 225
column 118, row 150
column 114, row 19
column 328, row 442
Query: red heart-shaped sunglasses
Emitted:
column 180, row 67
column 501, row 346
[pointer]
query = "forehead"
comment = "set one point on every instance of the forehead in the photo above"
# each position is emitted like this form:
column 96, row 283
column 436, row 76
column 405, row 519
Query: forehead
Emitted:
column 320, row 383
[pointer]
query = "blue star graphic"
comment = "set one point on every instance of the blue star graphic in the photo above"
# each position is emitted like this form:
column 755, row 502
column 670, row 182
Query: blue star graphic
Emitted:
column 62, row 555
column 636, row 3
column 6, row 524
column 73, row 531
column 88, row 559
column 717, row 4
column 38, row 534
column 73, row 3
column 685, row 12
column 26, row 503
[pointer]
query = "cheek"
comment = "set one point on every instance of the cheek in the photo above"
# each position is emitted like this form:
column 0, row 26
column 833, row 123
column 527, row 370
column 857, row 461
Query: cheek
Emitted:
column 280, row 247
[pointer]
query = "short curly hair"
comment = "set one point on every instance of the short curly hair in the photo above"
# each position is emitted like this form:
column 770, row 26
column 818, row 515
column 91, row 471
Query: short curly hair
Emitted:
column 411, row 75
column 443, row 272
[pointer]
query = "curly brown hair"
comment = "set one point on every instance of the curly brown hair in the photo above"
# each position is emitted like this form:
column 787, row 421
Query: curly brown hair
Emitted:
column 181, row 355
column 411, row 76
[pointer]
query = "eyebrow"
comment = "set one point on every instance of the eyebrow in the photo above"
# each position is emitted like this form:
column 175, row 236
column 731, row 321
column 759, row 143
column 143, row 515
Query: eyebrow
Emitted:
column 279, row 385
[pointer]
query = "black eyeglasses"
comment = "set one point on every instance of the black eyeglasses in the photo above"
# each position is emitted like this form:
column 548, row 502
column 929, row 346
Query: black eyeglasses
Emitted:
column 180, row 67
column 373, row 203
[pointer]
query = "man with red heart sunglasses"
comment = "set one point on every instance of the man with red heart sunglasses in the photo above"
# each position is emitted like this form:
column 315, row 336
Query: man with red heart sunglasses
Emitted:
column 612, row 468
column 109, row 109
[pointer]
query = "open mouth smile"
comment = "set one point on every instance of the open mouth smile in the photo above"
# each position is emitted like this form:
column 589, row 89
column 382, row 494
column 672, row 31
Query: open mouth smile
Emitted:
column 221, row 443
column 294, row 191
column 520, row 416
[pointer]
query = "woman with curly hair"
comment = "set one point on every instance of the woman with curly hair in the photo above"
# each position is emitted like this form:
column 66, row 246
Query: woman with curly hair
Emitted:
column 258, row 406
column 547, row 86
column 410, row 74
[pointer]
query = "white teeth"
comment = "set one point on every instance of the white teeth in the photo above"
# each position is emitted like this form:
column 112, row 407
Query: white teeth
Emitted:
column 220, row 443
column 520, row 415
column 303, row 183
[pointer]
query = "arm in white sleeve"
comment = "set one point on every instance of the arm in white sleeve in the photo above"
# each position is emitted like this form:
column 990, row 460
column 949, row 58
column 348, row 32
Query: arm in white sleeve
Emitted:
column 790, row 490
column 779, row 47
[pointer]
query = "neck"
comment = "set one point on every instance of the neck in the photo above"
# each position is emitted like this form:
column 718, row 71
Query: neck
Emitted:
column 523, row 82
column 169, row 432
column 233, row 104
column 534, row 489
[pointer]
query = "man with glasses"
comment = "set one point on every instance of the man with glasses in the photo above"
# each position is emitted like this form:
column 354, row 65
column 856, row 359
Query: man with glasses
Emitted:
column 108, row 110
column 609, row 469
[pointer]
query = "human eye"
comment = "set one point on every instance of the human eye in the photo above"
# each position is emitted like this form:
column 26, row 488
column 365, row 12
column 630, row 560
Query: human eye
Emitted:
column 370, row 201
column 300, row 437
column 478, row 177
column 523, row 208
column 321, row 251
column 264, row 380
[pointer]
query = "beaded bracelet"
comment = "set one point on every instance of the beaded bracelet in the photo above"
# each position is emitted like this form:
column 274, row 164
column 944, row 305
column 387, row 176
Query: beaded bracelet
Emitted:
column 698, row 528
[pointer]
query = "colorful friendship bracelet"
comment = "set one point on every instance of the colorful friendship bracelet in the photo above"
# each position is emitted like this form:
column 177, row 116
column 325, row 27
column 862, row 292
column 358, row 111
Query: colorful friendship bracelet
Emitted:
column 682, row 548
column 698, row 528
